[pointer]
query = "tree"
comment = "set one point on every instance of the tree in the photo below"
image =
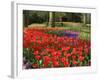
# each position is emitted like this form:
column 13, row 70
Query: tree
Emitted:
column 84, row 18
column 25, row 18
column 51, row 19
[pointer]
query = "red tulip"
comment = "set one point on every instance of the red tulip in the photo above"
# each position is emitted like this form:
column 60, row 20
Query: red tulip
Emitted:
column 73, row 57
column 63, row 59
column 54, row 49
column 37, row 57
column 65, row 48
column 35, row 52
column 66, row 64
column 79, row 53
column 67, row 55
column 86, row 50
column 74, row 62
column 55, row 63
column 34, row 65
column 81, row 58
column 46, row 60
column 74, row 50
column 58, row 53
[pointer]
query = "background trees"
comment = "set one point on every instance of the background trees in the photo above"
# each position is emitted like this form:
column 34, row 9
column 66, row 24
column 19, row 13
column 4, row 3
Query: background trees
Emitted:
column 52, row 19
column 51, row 22
column 25, row 18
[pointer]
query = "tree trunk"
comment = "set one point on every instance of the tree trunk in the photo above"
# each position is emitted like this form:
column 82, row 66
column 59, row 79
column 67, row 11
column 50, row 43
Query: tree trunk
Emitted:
column 88, row 19
column 51, row 19
column 84, row 18
column 25, row 18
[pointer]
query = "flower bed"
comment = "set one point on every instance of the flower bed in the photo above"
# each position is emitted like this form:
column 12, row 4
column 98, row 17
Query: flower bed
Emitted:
column 48, row 48
column 64, row 33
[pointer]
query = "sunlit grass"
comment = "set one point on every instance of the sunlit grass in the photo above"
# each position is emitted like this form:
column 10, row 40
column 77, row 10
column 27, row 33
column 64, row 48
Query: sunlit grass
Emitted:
column 84, row 35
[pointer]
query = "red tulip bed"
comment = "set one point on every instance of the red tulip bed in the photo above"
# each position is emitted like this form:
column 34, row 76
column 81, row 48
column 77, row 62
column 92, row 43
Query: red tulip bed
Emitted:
column 47, row 48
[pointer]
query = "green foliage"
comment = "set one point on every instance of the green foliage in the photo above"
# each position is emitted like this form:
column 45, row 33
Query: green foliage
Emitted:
column 58, row 32
column 28, row 54
column 59, row 24
column 40, row 62
column 84, row 35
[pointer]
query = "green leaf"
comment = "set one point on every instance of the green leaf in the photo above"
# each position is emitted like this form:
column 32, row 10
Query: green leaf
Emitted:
column 40, row 63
